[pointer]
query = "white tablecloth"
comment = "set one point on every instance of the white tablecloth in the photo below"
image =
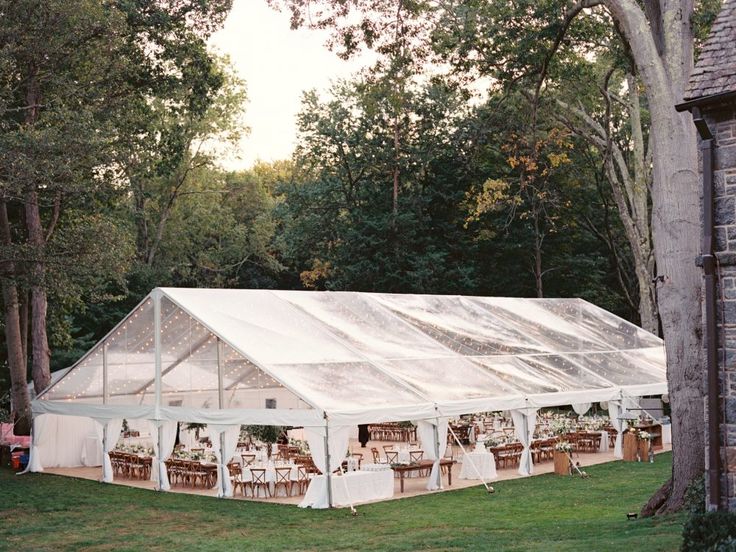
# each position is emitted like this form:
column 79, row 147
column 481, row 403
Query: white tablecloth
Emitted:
column 484, row 462
column 604, row 442
column 666, row 434
column 353, row 487
column 91, row 451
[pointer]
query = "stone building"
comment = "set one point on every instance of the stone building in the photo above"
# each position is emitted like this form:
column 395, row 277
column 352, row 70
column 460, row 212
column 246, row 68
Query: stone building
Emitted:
column 711, row 98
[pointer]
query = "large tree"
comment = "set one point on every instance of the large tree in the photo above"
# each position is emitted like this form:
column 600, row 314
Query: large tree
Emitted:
column 510, row 40
column 73, row 75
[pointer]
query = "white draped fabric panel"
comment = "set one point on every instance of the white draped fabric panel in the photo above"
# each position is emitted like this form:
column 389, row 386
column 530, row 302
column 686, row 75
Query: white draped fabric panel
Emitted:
column 58, row 440
column 581, row 408
column 338, row 440
column 524, row 423
column 430, row 446
column 168, row 437
column 231, row 433
column 616, row 412
column 113, row 434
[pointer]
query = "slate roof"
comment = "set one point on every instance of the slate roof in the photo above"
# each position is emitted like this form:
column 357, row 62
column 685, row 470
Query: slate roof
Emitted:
column 715, row 71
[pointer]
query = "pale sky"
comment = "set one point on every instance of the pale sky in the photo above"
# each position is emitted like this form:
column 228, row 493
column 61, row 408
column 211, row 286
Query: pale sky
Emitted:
column 277, row 64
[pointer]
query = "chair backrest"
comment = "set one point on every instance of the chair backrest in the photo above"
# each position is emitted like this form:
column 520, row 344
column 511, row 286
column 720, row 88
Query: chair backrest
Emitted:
column 302, row 473
column 376, row 455
column 283, row 475
column 416, row 455
column 258, row 475
column 392, row 457
column 234, row 468
column 248, row 459
column 388, row 447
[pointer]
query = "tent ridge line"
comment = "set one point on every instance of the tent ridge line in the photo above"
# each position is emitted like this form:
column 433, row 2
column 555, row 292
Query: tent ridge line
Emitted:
column 342, row 342
column 239, row 350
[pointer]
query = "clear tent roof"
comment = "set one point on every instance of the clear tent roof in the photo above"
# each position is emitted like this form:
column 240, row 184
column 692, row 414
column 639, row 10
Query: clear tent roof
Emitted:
column 363, row 356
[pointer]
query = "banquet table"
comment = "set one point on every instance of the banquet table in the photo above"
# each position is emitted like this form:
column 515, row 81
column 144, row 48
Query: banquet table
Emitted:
column 350, row 488
column 424, row 465
column 478, row 461
column 91, row 451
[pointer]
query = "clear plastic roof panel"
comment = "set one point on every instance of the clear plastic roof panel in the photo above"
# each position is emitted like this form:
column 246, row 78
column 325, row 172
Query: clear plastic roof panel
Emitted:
column 346, row 351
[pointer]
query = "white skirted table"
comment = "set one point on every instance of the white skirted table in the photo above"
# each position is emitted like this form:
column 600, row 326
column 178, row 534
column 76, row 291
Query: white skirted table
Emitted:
column 352, row 487
column 484, row 462
column 603, row 447
column 666, row 434
column 91, row 451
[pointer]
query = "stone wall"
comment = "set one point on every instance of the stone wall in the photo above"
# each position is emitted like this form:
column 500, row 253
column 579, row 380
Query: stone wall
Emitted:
column 722, row 123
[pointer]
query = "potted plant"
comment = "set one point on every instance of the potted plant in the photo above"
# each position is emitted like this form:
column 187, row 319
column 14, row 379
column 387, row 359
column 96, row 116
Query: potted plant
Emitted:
column 196, row 428
column 265, row 433
column 645, row 446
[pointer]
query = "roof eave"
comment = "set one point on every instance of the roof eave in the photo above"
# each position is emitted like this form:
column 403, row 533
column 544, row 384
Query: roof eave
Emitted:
column 706, row 100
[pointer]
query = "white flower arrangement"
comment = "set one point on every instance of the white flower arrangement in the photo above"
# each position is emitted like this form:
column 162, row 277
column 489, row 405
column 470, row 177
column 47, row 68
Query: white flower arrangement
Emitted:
column 563, row 446
column 644, row 435
column 559, row 426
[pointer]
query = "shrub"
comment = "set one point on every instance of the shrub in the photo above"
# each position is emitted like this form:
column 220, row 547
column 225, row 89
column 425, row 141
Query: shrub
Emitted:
column 715, row 531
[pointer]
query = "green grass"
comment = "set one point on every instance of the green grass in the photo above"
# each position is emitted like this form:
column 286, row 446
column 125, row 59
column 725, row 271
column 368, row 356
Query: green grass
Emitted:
column 46, row 512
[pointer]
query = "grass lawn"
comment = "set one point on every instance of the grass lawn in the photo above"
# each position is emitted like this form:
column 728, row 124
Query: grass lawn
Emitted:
column 47, row 512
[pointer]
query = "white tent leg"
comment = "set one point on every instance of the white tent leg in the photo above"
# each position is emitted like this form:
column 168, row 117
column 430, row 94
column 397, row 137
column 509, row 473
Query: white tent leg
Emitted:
column 437, row 453
column 159, row 461
column 328, row 475
column 224, row 472
column 475, row 468
column 104, row 450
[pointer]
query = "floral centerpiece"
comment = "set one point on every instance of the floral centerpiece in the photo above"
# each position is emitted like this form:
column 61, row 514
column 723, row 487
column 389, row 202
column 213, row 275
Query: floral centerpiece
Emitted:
column 301, row 446
column 134, row 449
column 644, row 436
column 563, row 446
column 560, row 426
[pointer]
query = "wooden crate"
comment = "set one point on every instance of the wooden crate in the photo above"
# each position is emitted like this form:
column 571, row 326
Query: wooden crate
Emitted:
column 644, row 450
column 562, row 463
column 631, row 445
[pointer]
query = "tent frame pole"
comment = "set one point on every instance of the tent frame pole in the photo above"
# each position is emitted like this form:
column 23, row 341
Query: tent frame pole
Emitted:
column 224, row 472
column 437, row 460
column 328, row 475
column 157, row 363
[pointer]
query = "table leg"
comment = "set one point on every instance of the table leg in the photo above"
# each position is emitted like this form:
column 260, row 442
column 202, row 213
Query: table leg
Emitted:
column 401, row 478
column 449, row 475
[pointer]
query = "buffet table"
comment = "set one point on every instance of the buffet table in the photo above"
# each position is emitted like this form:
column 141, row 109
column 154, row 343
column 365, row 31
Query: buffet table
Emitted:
column 350, row 488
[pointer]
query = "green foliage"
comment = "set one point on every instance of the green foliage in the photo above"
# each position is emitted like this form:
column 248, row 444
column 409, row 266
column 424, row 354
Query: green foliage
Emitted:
column 264, row 433
column 713, row 531
column 695, row 497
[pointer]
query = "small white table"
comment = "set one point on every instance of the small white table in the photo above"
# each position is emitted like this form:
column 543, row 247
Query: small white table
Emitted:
column 604, row 442
column 352, row 487
column 666, row 434
column 478, row 462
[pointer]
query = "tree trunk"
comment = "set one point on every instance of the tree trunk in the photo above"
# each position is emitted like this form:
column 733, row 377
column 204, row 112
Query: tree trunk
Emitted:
column 16, row 363
column 40, row 367
column 675, row 224
column 538, row 258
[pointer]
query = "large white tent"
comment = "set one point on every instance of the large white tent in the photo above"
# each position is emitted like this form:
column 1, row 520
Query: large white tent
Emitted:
column 328, row 360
